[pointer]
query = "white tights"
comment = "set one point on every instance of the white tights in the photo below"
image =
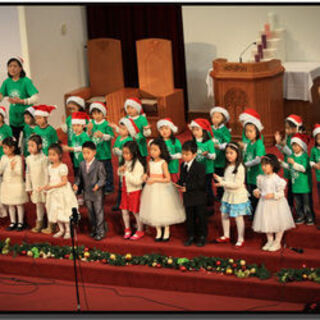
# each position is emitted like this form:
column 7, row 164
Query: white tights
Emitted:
column 226, row 226
column 40, row 211
column 276, row 237
column 12, row 213
column 126, row 220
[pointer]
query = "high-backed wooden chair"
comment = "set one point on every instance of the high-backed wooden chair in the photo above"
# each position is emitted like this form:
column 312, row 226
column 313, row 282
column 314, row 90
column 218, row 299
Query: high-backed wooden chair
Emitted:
column 156, row 86
column 105, row 70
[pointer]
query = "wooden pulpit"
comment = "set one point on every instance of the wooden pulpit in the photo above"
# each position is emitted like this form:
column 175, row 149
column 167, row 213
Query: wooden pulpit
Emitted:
column 259, row 86
column 159, row 97
column 105, row 70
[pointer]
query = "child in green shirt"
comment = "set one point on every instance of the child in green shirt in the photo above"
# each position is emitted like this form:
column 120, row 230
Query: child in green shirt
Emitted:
column 167, row 130
column 206, row 154
column 28, row 129
column 292, row 125
column 102, row 134
column 74, row 104
column 43, row 129
column 5, row 130
column 133, row 108
column 126, row 130
column 300, row 174
column 315, row 155
column 253, row 150
column 78, row 138
column 219, row 117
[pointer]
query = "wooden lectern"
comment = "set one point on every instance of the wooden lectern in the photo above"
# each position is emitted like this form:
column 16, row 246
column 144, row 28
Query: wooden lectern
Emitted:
column 256, row 85
column 159, row 97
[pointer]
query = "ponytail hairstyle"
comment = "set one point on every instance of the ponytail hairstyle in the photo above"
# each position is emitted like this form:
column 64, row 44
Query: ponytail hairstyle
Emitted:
column 37, row 140
column 56, row 146
column 234, row 146
column 11, row 142
column 136, row 155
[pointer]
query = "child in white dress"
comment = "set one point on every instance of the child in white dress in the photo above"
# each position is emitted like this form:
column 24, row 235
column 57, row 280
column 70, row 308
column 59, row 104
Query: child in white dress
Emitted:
column 160, row 204
column 37, row 177
column 273, row 215
column 235, row 201
column 60, row 199
column 12, row 192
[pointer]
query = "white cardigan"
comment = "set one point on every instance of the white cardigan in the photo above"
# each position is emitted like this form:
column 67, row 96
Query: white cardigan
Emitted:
column 133, row 178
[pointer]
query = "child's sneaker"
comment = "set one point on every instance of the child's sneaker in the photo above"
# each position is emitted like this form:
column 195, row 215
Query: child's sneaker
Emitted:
column 309, row 222
column 299, row 220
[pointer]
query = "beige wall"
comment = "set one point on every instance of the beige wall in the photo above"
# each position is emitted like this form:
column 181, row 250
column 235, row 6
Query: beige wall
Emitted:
column 224, row 31
column 57, row 61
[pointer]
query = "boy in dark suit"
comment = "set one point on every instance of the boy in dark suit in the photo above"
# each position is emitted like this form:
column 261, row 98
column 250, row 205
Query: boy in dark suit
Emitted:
column 192, row 183
column 91, row 180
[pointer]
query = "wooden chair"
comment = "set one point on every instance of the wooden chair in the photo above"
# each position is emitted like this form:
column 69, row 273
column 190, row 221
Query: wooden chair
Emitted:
column 105, row 70
column 156, row 86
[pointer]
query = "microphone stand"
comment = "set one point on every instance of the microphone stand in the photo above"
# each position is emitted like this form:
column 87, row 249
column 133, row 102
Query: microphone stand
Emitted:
column 252, row 43
column 73, row 221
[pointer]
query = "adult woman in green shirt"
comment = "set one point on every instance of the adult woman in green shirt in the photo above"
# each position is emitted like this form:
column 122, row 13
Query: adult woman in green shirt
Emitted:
column 21, row 92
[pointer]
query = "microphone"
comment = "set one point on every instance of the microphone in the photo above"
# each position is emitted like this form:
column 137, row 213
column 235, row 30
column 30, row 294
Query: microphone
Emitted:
column 75, row 217
column 241, row 54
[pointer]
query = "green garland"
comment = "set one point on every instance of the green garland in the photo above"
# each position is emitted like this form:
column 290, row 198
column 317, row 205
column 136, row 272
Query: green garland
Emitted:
column 227, row 266
column 239, row 268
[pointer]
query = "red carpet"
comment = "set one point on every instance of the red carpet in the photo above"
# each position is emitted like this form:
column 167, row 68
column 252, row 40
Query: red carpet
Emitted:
column 36, row 294
column 194, row 282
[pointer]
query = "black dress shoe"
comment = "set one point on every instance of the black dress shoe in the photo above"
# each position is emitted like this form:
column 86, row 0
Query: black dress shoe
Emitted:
column 20, row 227
column 189, row 242
column 201, row 242
column 165, row 239
column 158, row 239
column 12, row 227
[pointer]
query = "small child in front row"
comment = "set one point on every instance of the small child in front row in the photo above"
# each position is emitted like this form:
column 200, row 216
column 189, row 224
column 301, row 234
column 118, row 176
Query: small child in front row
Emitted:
column 5, row 130
column 300, row 174
column 293, row 124
column 235, row 202
column 219, row 117
column 43, row 129
column 315, row 155
column 131, row 171
column 78, row 138
column 126, row 130
column 273, row 215
column 167, row 130
column 37, row 176
column 91, row 180
column 160, row 204
column 253, row 151
column 192, row 184
column 60, row 198
column 13, row 193
column 30, row 124
column 206, row 154
column 101, row 134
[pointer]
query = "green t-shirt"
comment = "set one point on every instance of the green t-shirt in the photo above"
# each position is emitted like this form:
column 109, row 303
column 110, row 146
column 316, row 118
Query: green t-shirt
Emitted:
column 48, row 135
column 103, row 146
column 78, row 141
column 70, row 130
column 23, row 89
column 5, row 132
column 221, row 135
column 252, row 151
column 120, row 142
column 141, row 122
column 301, row 181
column 315, row 157
column 27, row 132
column 173, row 148
column 202, row 147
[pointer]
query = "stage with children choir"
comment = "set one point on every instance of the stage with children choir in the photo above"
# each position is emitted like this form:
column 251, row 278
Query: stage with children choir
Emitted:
column 188, row 189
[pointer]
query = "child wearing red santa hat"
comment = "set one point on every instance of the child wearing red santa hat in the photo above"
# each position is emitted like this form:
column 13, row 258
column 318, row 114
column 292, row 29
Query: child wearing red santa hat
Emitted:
column 300, row 174
column 315, row 156
column 43, row 129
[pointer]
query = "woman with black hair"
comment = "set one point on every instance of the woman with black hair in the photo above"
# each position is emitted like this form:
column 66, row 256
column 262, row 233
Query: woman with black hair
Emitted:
column 21, row 92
